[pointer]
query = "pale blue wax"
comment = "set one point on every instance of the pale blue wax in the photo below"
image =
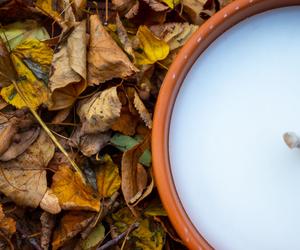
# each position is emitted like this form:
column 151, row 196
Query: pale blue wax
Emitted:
column 237, row 180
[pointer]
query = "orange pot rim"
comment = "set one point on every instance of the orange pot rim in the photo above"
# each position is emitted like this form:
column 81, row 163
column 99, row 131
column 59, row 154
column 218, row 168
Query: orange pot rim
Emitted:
column 201, row 39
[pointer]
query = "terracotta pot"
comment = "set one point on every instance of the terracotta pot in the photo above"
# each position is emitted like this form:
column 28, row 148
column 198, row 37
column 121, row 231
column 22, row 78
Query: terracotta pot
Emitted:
column 202, row 38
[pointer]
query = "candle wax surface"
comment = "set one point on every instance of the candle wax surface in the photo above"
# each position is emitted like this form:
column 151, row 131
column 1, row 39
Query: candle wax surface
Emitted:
column 237, row 180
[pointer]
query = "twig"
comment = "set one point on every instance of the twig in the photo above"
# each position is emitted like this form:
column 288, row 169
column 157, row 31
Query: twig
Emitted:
column 50, row 134
column 11, row 246
column 115, row 241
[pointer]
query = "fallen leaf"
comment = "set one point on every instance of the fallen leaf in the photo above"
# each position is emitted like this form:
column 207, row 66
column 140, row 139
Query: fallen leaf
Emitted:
column 53, row 8
column 69, row 69
column 94, row 238
column 124, row 143
column 72, row 193
column 99, row 112
column 48, row 224
column 71, row 224
column 153, row 49
column 50, row 202
column 15, row 33
column 158, row 6
column 175, row 34
column 106, row 60
column 171, row 3
column 7, row 71
column 79, row 6
column 148, row 236
column 155, row 208
column 143, row 112
column 132, row 173
column 127, row 8
column 7, row 224
column 32, row 61
column 108, row 178
column 24, row 179
column 193, row 8
column 124, row 38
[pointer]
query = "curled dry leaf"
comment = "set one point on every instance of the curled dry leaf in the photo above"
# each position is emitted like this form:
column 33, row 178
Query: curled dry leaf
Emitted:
column 108, row 178
column 175, row 34
column 7, row 224
column 156, row 5
column 133, row 173
column 153, row 48
column 72, row 193
column 31, row 60
column 67, row 80
column 143, row 112
column 48, row 223
column 127, row 8
column 15, row 33
column 71, row 225
column 98, row 113
column 50, row 202
column 106, row 60
column 7, row 71
column 148, row 236
column 24, row 179
column 193, row 8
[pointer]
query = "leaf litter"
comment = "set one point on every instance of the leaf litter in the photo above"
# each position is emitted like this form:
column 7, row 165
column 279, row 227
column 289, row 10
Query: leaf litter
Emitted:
column 78, row 85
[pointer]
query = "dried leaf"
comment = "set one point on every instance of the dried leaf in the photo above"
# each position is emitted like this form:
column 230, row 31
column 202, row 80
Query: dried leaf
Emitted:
column 7, row 71
column 72, row 193
column 94, row 238
column 155, row 209
column 124, row 143
column 71, row 224
column 24, row 178
column 108, row 178
column 140, row 107
column 106, row 60
column 15, row 33
column 123, row 36
column 153, row 48
column 69, row 69
column 148, row 236
column 99, row 112
column 158, row 6
column 175, row 34
column 52, row 8
column 32, row 61
column 193, row 8
column 131, row 171
column 127, row 8
column 171, row 3
column 7, row 224
column 50, row 202
column 48, row 223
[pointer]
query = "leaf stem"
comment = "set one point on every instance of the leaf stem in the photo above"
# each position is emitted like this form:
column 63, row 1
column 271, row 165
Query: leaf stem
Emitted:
column 49, row 133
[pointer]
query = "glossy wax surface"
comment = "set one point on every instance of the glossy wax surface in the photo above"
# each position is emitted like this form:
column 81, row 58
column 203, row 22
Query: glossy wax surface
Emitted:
column 237, row 180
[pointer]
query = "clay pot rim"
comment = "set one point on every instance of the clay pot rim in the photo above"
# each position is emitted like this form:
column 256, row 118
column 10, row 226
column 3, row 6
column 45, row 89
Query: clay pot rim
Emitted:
column 201, row 39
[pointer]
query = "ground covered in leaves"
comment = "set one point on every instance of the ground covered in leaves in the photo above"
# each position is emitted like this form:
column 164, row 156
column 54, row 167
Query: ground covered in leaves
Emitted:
column 79, row 80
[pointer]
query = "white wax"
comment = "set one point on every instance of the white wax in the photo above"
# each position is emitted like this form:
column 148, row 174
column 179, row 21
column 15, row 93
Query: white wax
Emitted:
column 237, row 180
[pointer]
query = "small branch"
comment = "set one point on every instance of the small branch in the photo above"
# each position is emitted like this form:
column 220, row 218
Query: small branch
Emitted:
column 25, row 236
column 115, row 241
column 292, row 140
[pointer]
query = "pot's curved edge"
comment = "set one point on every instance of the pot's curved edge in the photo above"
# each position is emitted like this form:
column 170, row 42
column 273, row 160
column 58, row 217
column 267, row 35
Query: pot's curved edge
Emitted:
column 200, row 40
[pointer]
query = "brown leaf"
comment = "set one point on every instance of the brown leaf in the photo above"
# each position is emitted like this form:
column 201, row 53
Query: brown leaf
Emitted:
column 99, row 112
column 132, row 172
column 108, row 178
column 71, row 224
column 106, row 60
column 72, row 193
column 50, row 202
column 127, row 8
column 24, row 178
column 7, row 224
column 7, row 71
column 140, row 107
column 90, row 144
column 48, row 223
column 193, row 8
column 69, row 68
column 156, row 5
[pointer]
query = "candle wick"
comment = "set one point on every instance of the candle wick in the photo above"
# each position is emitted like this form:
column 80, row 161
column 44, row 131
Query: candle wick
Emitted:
column 292, row 140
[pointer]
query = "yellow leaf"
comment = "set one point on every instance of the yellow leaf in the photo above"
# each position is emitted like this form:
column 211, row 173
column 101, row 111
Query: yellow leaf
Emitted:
column 153, row 48
column 148, row 236
column 72, row 193
column 47, row 6
column 171, row 3
column 32, row 61
column 108, row 178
